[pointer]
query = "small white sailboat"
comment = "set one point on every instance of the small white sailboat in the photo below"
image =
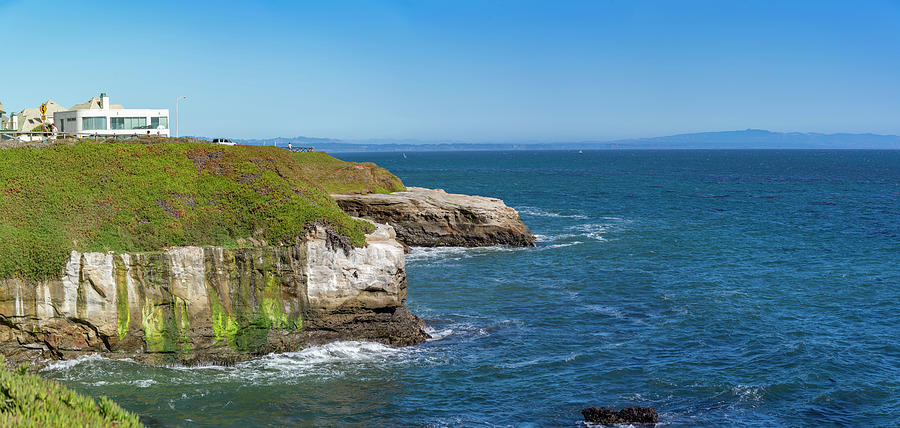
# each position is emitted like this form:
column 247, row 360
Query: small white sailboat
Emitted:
column 404, row 156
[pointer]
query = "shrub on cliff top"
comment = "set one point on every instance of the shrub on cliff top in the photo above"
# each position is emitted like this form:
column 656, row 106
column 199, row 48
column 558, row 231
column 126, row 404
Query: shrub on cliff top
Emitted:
column 144, row 197
column 28, row 400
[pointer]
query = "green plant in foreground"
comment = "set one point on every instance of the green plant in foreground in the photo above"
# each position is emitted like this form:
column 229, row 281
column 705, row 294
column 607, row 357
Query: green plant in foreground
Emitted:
column 28, row 400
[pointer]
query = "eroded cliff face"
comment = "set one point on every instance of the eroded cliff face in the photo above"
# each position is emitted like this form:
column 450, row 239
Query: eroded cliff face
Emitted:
column 433, row 218
column 191, row 304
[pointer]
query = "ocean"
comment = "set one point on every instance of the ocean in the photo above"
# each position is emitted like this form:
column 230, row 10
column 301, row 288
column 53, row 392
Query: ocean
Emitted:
column 722, row 287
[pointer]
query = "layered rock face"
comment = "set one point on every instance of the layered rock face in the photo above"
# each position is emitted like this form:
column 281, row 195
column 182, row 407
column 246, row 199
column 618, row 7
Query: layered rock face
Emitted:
column 192, row 304
column 432, row 218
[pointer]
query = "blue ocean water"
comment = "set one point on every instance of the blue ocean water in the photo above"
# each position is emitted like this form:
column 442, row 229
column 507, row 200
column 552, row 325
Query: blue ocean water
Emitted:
column 756, row 288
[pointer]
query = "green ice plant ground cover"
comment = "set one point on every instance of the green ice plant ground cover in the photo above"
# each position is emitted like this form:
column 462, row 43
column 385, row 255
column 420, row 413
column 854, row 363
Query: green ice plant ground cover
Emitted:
column 148, row 195
column 28, row 400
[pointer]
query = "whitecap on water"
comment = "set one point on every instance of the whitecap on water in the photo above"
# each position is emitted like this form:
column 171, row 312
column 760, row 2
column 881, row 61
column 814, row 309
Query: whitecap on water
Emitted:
column 456, row 253
column 431, row 253
column 319, row 363
column 335, row 352
column 140, row 383
column 751, row 393
column 598, row 231
column 64, row 365
column 592, row 230
column 438, row 335
column 569, row 235
column 567, row 244
column 143, row 383
column 606, row 310
column 537, row 212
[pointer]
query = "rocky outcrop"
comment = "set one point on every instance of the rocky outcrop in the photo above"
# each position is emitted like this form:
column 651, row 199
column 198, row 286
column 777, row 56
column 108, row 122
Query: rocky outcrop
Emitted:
column 434, row 218
column 192, row 304
column 628, row 415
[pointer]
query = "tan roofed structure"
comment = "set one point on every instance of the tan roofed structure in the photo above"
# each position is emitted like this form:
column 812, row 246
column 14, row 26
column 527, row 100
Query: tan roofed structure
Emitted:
column 30, row 118
column 94, row 103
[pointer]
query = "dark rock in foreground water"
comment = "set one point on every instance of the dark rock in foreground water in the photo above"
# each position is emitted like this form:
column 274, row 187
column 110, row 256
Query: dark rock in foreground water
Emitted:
column 629, row 415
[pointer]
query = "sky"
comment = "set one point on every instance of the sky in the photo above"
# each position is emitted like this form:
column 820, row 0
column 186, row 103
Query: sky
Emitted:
column 470, row 71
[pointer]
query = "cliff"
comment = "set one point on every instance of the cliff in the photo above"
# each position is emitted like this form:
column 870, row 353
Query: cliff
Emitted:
column 432, row 217
column 190, row 304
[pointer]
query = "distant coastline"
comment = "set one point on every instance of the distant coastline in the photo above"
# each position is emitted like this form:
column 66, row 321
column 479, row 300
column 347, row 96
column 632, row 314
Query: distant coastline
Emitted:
column 744, row 139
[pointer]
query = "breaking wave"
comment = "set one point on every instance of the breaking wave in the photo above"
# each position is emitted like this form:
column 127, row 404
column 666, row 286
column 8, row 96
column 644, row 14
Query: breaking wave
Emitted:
column 316, row 363
column 456, row 253
column 537, row 212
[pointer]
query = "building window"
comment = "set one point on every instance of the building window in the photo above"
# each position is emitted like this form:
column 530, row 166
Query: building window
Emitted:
column 159, row 122
column 93, row 123
column 128, row 123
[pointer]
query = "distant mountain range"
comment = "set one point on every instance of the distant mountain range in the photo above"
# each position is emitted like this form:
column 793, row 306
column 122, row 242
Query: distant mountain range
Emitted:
column 746, row 139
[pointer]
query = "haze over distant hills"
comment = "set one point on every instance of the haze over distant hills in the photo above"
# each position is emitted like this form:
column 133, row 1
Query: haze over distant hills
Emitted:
column 746, row 139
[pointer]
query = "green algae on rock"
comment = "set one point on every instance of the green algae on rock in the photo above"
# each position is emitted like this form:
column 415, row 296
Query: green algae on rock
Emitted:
column 193, row 304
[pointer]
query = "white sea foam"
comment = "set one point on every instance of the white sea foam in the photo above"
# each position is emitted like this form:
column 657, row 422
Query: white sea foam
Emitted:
column 592, row 230
column 316, row 363
column 606, row 310
column 557, row 237
column 537, row 212
column 748, row 392
column 456, row 253
column 68, row 364
column 143, row 383
column 140, row 383
column 567, row 244
column 337, row 352
column 598, row 231
column 438, row 335
column 431, row 253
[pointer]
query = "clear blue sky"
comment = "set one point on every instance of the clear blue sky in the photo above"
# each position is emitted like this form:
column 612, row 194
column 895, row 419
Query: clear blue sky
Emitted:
column 465, row 70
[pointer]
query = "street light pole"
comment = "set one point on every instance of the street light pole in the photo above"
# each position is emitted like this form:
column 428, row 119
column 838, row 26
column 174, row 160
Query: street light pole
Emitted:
column 177, row 99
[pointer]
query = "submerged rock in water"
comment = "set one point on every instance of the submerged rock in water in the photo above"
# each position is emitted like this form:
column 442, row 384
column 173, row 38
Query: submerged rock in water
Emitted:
column 435, row 218
column 192, row 304
column 629, row 415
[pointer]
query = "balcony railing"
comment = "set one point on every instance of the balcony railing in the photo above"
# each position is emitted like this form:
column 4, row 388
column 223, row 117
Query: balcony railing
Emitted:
column 32, row 136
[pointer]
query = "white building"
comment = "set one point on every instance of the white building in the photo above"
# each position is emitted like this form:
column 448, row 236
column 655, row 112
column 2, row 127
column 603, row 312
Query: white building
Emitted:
column 98, row 117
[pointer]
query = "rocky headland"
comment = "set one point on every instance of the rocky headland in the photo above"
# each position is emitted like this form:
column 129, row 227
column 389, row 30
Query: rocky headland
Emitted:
column 170, row 251
column 167, row 251
column 435, row 218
